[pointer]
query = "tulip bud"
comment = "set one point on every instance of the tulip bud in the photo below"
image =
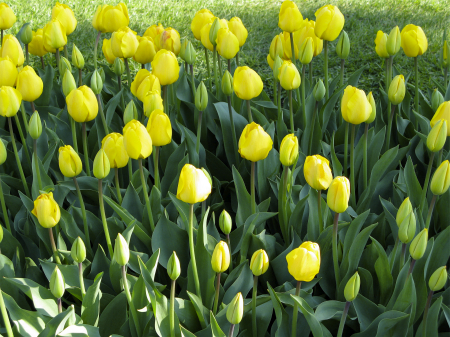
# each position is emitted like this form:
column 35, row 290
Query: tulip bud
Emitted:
column 419, row 245
column 101, row 165
column 68, row 83
column 201, row 97
column 1, row 234
column 438, row 279
column 225, row 222
column 394, row 41
column 278, row 62
column 289, row 150
column 317, row 172
column 338, row 194
column 183, row 48
column 152, row 101
column 227, row 83
column 119, row 66
column 190, row 54
column 445, row 59
column 319, row 90
column 407, row 228
column 373, row 114
column 343, row 46
column 351, row 289
column 403, row 211
column 63, row 65
column 306, row 52
column 77, row 57
column 214, row 30
column 130, row 113
column 207, row 175
column 255, row 143
column 101, row 71
column 441, row 179
column 193, row 185
column 69, row 162
column 57, row 284
column 259, row 262
column 397, row 90
column 96, row 82
column 26, row 34
column 121, row 250
column 173, row 267
column 3, row 153
column 78, row 251
column 276, row 47
column 35, row 126
column 220, row 260
column 436, row 99
column 235, row 309
column 437, row 136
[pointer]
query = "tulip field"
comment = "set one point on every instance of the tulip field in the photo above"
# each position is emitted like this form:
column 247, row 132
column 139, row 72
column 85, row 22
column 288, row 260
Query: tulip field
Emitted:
column 158, row 180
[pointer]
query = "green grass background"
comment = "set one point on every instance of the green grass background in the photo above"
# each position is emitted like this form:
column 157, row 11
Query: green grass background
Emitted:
column 363, row 18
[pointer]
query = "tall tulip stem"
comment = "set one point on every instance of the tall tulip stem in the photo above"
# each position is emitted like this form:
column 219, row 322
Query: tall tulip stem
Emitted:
column 165, row 99
column 237, row 59
column 9, row 332
column 42, row 63
column 282, row 213
column 102, row 114
column 389, row 130
column 352, row 166
column 95, row 48
column 335, row 250
column 231, row 255
column 275, row 91
column 252, row 187
column 325, row 67
column 59, row 301
column 208, row 68
column 130, row 170
column 416, row 95
column 147, row 201
column 249, row 111
column 116, row 182
column 192, row 81
column 23, row 140
column 156, row 167
column 346, row 149
column 280, row 112
column 36, row 164
column 291, row 38
column 4, row 210
column 216, row 297
column 231, row 332
column 127, row 67
column 53, row 244
column 104, row 223
column 57, row 60
column 255, row 292
column 313, row 122
column 310, row 73
column 130, row 301
column 291, row 112
column 83, row 214
column 85, row 150
column 16, row 154
column 192, row 251
column 216, row 80
column 81, row 279
column 172, row 308
column 74, row 133
column 233, row 132
column 199, row 133
column 423, row 197
column 343, row 318
column 425, row 313
column 303, row 84
column 341, row 81
column 295, row 313
column 366, row 129
column 319, row 210
column 24, row 115
column 430, row 212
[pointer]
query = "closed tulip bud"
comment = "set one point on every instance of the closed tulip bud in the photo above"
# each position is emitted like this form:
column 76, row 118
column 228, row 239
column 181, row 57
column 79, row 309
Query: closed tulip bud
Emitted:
column 436, row 99
column 193, row 185
column 351, row 289
column 26, row 34
column 201, row 18
column 68, row 83
column 343, row 46
column 438, row 279
column 304, row 261
column 437, row 136
column 289, row 76
column 445, row 55
column 276, row 47
column 227, row 43
column 373, row 114
column 7, row 17
column 96, row 82
column 338, row 194
column 8, row 73
column 77, row 58
column 143, row 83
column 380, row 44
column 259, row 262
column 78, row 251
column 183, row 48
column 225, row 222
column 205, row 36
column 319, row 90
column 159, row 128
column 190, row 53
column 247, row 84
column 152, row 101
column 329, row 22
column 220, row 260
column 10, row 100
column 3, row 153
column 289, row 150
column 441, row 179
column 101, row 165
column 173, row 267
column 11, row 48
column 414, row 42
column 278, row 62
column 317, row 172
column 403, row 211
column 290, row 18
column 36, row 46
column 46, row 210
column 107, row 51
column 254, row 143
column 146, row 50
column 307, row 30
column 118, row 67
column 154, row 31
column 419, row 245
column 113, row 146
column 65, row 15
column 130, row 113
column 124, row 43
column 165, row 66
column 214, row 31
column 54, row 35
column 64, row 64
column 170, row 40
column 394, row 41
column 270, row 61
column 35, row 125
column 306, row 51
column 108, row 19
column 227, row 83
column 57, row 283
column 29, row 84
column 355, row 106
column 137, row 141
column 121, row 250
column 442, row 112
column 407, row 228
column 201, row 97
column 235, row 309
column 82, row 104
column 1, row 234
column 69, row 162
column 238, row 29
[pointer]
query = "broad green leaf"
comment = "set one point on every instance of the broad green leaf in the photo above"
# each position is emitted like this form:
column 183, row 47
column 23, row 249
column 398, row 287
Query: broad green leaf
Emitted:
column 90, row 309
column 308, row 312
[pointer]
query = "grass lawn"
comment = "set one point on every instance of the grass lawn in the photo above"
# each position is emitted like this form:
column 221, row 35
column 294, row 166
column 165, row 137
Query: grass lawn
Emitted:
column 363, row 18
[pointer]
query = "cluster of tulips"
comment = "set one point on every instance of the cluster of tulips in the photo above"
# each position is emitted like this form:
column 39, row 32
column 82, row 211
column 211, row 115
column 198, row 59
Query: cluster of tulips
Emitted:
column 157, row 51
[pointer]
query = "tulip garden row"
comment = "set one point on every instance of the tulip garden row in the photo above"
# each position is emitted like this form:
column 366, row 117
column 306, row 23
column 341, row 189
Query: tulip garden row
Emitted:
column 165, row 204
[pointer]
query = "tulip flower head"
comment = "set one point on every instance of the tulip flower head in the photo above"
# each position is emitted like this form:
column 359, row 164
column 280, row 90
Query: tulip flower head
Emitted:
column 407, row 228
column 394, row 41
column 227, row 43
column 355, row 106
column 247, row 84
column 124, row 43
column 307, row 30
column 69, row 162
column 146, row 50
column 255, row 143
column 343, row 46
column 418, row 246
column 380, row 44
column 108, row 19
column 338, row 194
column 154, row 32
column 235, row 309
column 259, row 262
column 107, row 51
column 78, row 250
column 136, row 140
column 113, row 146
column 10, row 100
column 225, row 222
column 441, row 179
column 173, row 267
column 442, row 113
column 159, row 128
column 82, row 104
column 397, row 90
column 220, row 260
column 152, row 101
column 57, row 283
column 170, row 40
column 11, row 48
column 289, row 150
column 165, row 66
column 438, row 279
column 329, row 22
column 373, row 114
column 403, row 211
column 143, row 83
column 54, row 35
column 65, row 15
column 77, row 57
column 276, row 47
column 36, row 46
column 436, row 99
column 3, row 153
column 130, row 112
column 351, row 289
column 290, row 18
column 7, row 17
column 304, row 261
column 317, row 172
column 121, row 250
column 238, row 29
column 193, row 185
column 437, row 136
column 46, row 210
column 29, row 84
column 201, row 18
column 414, row 42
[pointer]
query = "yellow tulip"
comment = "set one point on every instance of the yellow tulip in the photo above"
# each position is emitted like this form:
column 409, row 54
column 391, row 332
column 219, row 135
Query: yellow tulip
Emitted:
column 246, row 83
column 11, row 48
column 3, row 153
column 159, row 128
column 338, row 194
column 143, row 83
column 355, row 107
column 146, row 50
column 152, row 101
column 443, row 112
column 66, row 16
column 82, row 104
column 201, row 18
column 108, row 19
column 115, row 150
column 165, row 66
column 193, row 186
column 57, row 283
column 8, row 72
column 317, row 172
column 380, row 44
column 276, row 47
column 290, row 18
column 306, row 31
column 289, row 150
column 124, row 43
column 7, row 17
column 414, row 41
column 46, row 210
column 287, row 47
column 270, row 61
column 306, row 51
column 107, row 51
column 304, row 261
column 220, row 260
column 373, row 114
column 397, row 90
column 394, row 41
column 441, row 179
column 69, row 162
column 10, row 100
column 205, row 36
column 351, row 289
column 121, row 251
column 54, row 35
column 259, row 262
column 329, row 22
column 437, row 136
column 36, row 46
column 29, row 84
column 77, row 57
column 255, row 143
column 238, row 29
column 289, row 76
column 136, row 140
column 154, row 32
column 102, row 166
column 170, row 40
column 227, row 43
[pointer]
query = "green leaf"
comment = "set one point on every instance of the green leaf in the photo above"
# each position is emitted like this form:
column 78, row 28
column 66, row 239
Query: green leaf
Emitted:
column 432, row 320
column 80, row 330
column 244, row 200
column 90, row 309
column 56, row 324
column 202, row 312
column 383, row 324
column 215, row 328
column 308, row 312
column 282, row 318
column 383, row 272
column 44, row 99
column 113, row 316
column 412, row 183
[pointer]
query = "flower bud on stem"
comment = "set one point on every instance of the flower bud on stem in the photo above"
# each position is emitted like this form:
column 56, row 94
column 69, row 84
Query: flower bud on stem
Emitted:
column 172, row 308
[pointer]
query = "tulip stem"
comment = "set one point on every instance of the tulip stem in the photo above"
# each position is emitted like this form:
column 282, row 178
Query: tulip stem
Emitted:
column 275, row 90
column 319, row 209
column 165, row 102
column 341, row 82
column 430, row 211
column 83, row 214
column 402, row 256
column 393, row 254
column 325, row 67
column 280, row 113
column 85, row 150
column 116, row 182
column 192, row 81
column 425, row 313
column 249, row 112
column 8, row 328
column 130, row 170
column 105, row 224
column 22, row 139
column 231, row 256
column 295, row 313
column 352, row 166
column 80, row 78
column 80, row 276
column 147, row 201
column 343, row 318
column 310, row 73
column 346, row 149
column 4, row 210
column 102, row 114
column 208, row 69
column 366, row 129
column 219, row 87
column 216, row 297
column 216, row 81
column 57, row 59
column 255, row 292
column 291, row 112
column 283, row 215
column 237, row 60
column 127, row 67
column 313, row 122
column 416, row 95
column 130, row 301
column 423, row 197
column 156, row 167
column 389, row 130
column 445, row 77
column 252, row 187
column 229, row 65
column 59, row 301
column 74, row 134
column 42, row 63
column 231, row 332
column 303, row 84
column 411, row 268
column 36, row 164
column 172, row 308
column 199, row 133
column 192, row 251
column 53, row 244
column 233, row 132
column 27, row 56
column 16, row 154
column 95, row 48
column 335, row 251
